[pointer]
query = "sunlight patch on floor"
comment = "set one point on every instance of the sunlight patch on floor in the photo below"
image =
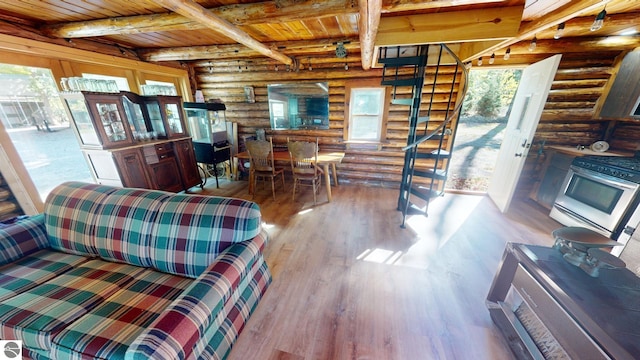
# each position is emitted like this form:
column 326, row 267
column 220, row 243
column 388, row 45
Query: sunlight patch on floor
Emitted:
column 380, row 256
column 446, row 216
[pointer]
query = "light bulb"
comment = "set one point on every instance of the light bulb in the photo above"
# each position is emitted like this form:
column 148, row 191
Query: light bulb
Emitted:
column 533, row 44
column 276, row 67
column 480, row 61
column 346, row 66
column 599, row 21
column 492, row 58
column 559, row 31
column 507, row 55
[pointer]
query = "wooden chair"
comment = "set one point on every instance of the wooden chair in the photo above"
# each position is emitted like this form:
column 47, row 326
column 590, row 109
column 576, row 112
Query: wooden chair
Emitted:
column 262, row 164
column 304, row 157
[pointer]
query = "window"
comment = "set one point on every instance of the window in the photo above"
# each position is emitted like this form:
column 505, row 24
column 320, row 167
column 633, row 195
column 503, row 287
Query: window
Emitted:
column 122, row 82
column 366, row 110
column 37, row 124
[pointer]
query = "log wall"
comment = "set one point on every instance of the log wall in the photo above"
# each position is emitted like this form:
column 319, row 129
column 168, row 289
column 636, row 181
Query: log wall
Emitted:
column 569, row 117
column 570, row 114
column 364, row 164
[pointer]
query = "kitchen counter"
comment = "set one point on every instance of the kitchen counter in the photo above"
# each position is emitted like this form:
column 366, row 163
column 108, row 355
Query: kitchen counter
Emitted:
column 571, row 150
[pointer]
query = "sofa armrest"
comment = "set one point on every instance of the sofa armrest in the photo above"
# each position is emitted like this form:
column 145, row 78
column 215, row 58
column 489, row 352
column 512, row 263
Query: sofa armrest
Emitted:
column 175, row 332
column 22, row 238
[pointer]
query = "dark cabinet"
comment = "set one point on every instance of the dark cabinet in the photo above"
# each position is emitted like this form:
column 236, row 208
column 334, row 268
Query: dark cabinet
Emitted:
column 186, row 158
column 132, row 169
column 623, row 97
column 134, row 141
column 554, row 171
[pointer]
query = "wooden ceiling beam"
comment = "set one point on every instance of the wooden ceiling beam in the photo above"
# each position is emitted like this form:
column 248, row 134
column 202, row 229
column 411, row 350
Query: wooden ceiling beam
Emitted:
column 299, row 49
column 450, row 27
column 369, row 21
column 194, row 11
column 237, row 14
column 415, row 5
column 528, row 30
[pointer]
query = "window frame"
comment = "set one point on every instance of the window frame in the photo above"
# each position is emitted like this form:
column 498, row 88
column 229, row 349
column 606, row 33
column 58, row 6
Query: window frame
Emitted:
column 383, row 116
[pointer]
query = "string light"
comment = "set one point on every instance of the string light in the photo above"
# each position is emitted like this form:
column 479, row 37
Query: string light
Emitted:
column 507, row 54
column 480, row 61
column 492, row 58
column 533, row 44
column 346, row 66
column 310, row 68
column 599, row 21
column 559, row 31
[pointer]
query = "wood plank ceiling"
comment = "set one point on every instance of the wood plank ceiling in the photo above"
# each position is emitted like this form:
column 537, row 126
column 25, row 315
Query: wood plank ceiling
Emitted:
column 286, row 31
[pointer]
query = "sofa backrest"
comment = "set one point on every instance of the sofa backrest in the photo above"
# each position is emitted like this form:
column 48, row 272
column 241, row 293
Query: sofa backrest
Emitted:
column 175, row 233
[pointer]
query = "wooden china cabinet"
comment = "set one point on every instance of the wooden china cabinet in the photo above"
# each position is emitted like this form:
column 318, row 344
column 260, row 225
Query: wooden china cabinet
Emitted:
column 134, row 141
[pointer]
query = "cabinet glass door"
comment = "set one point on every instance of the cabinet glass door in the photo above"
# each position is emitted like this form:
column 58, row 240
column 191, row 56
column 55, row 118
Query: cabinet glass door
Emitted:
column 112, row 123
column 155, row 117
column 136, row 117
column 82, row 121
column 173, row 119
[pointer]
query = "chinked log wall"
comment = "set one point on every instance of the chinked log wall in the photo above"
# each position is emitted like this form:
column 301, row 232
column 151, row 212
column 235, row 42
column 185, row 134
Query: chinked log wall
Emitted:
column 361, row 165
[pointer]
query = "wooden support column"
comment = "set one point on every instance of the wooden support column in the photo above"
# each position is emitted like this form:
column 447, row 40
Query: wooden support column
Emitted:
column 369, row 20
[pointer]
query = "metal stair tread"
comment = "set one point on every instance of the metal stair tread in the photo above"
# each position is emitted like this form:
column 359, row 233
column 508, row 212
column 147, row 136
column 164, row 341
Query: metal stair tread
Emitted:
column 402, row 101
column 401, row 82
column 402, row 61
column 440, row 174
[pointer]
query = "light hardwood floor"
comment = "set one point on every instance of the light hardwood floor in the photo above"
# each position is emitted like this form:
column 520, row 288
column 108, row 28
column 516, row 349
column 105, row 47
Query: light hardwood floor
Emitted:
column 349, row 283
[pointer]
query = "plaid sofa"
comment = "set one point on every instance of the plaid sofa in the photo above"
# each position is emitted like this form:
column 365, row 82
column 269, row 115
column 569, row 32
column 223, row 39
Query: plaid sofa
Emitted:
column 113, row 273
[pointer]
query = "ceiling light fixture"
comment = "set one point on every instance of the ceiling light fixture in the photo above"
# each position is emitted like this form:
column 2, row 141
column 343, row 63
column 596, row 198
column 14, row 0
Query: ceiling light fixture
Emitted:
column 480, row 61
column 492, row 58
column 533, row 44
column 599, row 21
column 507, row 54
column 559, row 31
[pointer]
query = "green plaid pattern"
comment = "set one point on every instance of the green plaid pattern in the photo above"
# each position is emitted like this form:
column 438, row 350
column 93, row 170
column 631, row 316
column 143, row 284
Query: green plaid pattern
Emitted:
column 33, row 270
column 218, row 339
column 123, row 225
column 70, row 209
column 193, row 230
column 37, row 315
column 175, row 333
column 22, row 238
column 109, row 329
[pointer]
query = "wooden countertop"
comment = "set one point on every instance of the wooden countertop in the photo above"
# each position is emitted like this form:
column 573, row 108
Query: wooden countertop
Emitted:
column 571, row 150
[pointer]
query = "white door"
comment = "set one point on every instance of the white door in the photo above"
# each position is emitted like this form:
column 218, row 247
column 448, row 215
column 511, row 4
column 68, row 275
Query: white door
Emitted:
column 526, row 111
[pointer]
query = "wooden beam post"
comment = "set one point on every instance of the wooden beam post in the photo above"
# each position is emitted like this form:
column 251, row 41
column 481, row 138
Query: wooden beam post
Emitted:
column 368, row 28
column 194, row 11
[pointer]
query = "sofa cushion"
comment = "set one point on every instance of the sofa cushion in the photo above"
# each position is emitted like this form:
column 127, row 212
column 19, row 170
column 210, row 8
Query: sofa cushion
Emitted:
column 69, row 210
column 109, row 329
column 35, row 269
column 192, row 231
column 22, row 238
column 36, row 315
column 123, row 225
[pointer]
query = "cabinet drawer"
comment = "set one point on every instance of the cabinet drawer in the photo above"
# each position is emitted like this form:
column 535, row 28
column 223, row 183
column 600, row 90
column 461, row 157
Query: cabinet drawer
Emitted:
column 564, row 329
column 157, row 152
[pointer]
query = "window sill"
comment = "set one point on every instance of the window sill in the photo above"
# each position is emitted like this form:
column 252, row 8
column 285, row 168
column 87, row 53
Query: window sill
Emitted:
column 360, row 144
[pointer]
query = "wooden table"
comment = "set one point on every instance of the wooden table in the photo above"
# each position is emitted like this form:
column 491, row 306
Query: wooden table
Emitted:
column 327, row 160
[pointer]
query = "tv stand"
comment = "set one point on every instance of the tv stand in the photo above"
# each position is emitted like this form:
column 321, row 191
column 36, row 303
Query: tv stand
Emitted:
column 548, row 308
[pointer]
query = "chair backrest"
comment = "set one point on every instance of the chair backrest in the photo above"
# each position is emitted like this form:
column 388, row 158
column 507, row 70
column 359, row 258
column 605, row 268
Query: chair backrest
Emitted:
column 261, row 155
column 304, row 156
